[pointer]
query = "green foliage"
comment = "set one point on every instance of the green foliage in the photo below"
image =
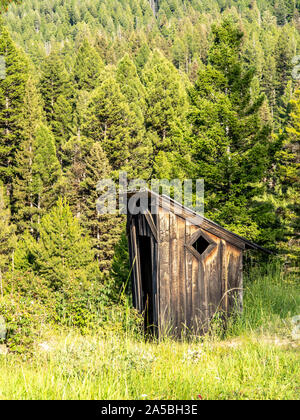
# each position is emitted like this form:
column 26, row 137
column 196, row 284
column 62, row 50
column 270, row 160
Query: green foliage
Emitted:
column 27, row 306
column 45, row 168
column 57, row 92
column 64, row 258
column 261, row 363
column 286, row 179
column 166, row 89
column 7, row 237
column 39, row 172
column 24, row 319
column 271, row 299
column 104, row 229
column 12, row 90
column 166, row 101
column 24, row 197
column 112, row 122
column 87, row 67
column 5, row 3
column 62, row 254
column 231, row 143
column 120, row 268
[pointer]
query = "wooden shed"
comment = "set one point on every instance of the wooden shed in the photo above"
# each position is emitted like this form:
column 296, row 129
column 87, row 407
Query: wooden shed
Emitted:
column 184, row 267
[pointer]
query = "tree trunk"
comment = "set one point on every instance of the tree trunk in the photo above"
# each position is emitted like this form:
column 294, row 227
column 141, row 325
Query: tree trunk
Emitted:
column 1, row 284
column 154, row 6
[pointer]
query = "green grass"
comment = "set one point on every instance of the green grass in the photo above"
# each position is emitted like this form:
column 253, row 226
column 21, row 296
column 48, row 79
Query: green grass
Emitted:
column 258, row 359
column 271, row 298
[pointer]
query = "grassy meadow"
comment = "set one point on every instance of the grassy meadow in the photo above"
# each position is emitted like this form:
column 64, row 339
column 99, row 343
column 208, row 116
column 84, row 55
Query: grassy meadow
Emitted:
column 257, row 358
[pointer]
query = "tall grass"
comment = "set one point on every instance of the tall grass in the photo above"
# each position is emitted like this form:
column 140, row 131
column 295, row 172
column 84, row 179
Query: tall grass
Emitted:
column 271, row 298
column 257, row 359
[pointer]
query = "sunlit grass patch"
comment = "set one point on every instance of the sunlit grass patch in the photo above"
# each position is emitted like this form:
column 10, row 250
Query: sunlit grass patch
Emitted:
column 78, row 368
column 256, row 359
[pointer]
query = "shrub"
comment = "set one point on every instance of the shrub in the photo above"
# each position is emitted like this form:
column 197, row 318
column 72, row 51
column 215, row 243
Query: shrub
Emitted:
column 24, row 319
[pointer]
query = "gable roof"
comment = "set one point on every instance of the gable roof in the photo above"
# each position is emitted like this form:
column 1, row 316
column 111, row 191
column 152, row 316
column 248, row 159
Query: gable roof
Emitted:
column 182, row 211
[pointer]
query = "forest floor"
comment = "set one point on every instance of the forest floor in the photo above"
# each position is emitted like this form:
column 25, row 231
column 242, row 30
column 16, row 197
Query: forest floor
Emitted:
column 258, row 359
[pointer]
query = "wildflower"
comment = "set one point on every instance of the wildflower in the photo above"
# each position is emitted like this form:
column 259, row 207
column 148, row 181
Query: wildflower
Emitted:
column 144, row 395
column 192, row 355
column 199, row 397
column 45, row 346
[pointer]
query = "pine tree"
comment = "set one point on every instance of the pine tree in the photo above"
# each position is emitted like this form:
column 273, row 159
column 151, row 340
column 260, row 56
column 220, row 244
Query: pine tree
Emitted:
column 62, row 126
column 76, row 151
column 46, row 170
column 281, row 12
column 88, row 66
column 287, row 181
column 104, row 229
column 7, row 237
column 63, row 254
column 12, row 90
column 131, row 86
column 284, row 105
column 284, row 53
column 142, row 57
column 230, row 142
column 166, row 99
column 39, row 173
column 24, row 205
column 166, row 109
column 111, row 122
column 57, row 93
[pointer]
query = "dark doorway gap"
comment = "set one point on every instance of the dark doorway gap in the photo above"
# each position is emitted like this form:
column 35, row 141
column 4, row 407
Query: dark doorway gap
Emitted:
column 146, row 279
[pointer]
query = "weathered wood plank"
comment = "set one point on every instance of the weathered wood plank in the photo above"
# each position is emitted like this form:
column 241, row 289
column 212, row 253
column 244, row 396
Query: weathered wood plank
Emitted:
column 188, row 286
column 241, row 285
column 188, row 281
column 233, row 261
column 203, row 304
column 154, row 279
column 196, row 313
column 132, row 261
column 225, row 275
column 152, row 226
column 137, row 265
column 174, row 283
column 208, row 226
column 181, row 272
column 158, row 303
column 164, row 271
column 212, row 284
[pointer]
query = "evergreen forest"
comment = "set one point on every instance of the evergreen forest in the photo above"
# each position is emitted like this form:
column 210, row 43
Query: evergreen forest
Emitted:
column 161, row 89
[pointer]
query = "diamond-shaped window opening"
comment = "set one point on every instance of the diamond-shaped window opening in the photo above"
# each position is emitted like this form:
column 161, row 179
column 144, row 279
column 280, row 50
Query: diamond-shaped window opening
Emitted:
column 201, row 245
